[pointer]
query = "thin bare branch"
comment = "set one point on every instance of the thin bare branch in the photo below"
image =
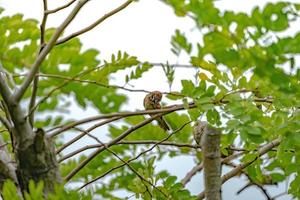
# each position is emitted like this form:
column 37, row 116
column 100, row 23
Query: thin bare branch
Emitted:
column 60, row 8
column 168, row 109
column 121, row 114
column 263, row 150
column 33, row 99
column 135, row 158
column 138, row 142
column 199, row 167
column 96, row 23
column 103, row 85
column 158, row 64
column 60, row 86
column 43, row 24
column 130, row 167
column 84, row 132
column 115, row 140
column 36, row 78
column 35, row 67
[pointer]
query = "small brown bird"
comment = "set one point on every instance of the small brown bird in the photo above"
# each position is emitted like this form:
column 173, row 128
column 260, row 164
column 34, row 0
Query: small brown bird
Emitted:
column 198, row 131
column 152, row 102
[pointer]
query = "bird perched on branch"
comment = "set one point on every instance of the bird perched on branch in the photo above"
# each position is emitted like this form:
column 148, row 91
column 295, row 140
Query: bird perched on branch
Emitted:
column 152, row 102
column 198, row 131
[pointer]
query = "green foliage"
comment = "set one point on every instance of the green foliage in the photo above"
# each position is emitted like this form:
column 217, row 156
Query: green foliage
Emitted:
column 179, row 42
column 137, row 73
column 36, row 192
column 247, row 87
column 10, row 191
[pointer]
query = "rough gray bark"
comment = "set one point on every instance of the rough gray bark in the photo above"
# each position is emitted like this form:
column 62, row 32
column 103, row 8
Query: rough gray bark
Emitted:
column 38, row 162
column 210, row 143
column 7, row 167
column 34, row 152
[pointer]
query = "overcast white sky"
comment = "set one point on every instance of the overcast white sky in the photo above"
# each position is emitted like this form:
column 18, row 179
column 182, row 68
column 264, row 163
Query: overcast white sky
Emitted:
column 144, row 30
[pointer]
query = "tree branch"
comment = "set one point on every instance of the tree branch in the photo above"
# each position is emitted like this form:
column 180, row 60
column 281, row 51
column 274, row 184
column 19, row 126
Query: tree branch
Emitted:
column 168, row 109
column 59, row 8
column 34, row 69
column 102, row 85
column 130, row 167
column 121, row 114
column 85, row 132
column 141, row 142
column 263, row 150
column 36, row 78
column 96, row 23
column 43, row 24
column 117, row 139
column 139, row 155
column 60, row 86
column 199, row 167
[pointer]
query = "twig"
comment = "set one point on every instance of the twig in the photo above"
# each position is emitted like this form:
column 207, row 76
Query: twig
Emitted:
column 62, row 85
column 158, row 64
column 199, row 167
column 263, row 150
column 142, row 142
column 36, row 78
column 117, row 139
column 103, row 85
column 84, row 132
column 252, row 183
column 34, row 69
column 129, row 166
column 60, row 8
column 171, row 108
column 136, row 157
column 96, row 23
column 43, row 24
column 121, row 114
column 235, row 92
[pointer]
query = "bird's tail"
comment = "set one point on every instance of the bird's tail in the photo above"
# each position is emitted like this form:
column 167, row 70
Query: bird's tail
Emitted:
column 163, row 124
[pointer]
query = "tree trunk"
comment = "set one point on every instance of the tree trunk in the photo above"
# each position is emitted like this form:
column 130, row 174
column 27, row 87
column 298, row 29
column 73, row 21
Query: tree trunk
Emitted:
column 37, row 162
column 210, row 144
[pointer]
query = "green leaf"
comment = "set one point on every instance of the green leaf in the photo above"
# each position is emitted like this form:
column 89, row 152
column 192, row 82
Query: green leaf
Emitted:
column 170, row 181
column 187, row 87
column 277, row 177
column 10, row 191
column 179, row 42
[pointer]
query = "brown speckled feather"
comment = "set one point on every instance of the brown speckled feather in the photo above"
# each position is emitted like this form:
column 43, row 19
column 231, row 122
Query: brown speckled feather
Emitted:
column 151, row 102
